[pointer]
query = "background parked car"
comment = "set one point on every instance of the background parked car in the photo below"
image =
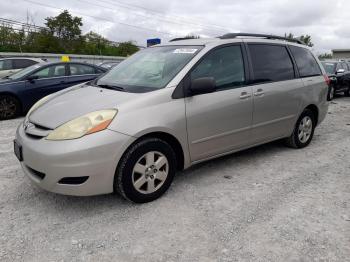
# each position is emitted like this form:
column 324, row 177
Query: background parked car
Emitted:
column 339, row 74
column 21, row 90
column 9, row 66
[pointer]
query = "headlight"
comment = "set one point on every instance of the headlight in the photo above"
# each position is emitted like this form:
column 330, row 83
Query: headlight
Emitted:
column 38, row 104
column 84, row 125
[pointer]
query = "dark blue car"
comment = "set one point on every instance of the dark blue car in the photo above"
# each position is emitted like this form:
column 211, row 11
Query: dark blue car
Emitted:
column 21, row 90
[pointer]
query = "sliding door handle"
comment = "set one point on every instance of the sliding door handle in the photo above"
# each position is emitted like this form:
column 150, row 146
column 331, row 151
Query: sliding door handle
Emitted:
column 259, row 92
column 245, row 95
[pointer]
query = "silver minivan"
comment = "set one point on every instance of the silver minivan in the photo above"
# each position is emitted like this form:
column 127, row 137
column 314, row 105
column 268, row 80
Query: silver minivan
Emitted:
column 169, row 107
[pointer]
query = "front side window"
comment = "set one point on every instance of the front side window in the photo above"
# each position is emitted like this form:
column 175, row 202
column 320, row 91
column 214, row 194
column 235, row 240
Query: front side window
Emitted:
column 270, row 63
column 51, row 71
column 5, row 64
column 225, row 65
column 78, row 69
column 150, row 69
column 306, row 62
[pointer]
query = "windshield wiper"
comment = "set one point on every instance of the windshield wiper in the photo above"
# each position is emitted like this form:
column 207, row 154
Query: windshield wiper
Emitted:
column 112, row 87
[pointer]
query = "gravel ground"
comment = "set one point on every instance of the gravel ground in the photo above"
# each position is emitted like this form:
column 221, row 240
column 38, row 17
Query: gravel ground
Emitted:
column 270, row 203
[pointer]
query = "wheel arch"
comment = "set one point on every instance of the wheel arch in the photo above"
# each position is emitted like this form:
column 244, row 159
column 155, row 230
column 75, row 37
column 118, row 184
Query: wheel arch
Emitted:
column 314, row 110
column 172, row 141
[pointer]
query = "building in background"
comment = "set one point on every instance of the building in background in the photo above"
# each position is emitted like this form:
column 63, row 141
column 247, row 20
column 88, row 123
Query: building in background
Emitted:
column 341, row 54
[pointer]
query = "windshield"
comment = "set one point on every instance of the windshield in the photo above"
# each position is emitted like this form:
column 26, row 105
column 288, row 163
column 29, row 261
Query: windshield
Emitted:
column 329, row 67
column 149, row 69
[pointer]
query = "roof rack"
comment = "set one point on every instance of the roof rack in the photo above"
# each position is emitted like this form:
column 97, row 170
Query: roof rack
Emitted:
column 234, row 35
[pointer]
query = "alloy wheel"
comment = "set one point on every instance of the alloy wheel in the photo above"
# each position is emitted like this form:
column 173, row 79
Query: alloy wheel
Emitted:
column 305, row 129
column 8, row 108
column 150, row 172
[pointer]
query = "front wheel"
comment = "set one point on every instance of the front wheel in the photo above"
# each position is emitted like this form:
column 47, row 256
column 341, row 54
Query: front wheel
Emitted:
column 303, row 131
column 145, row 171
column 331, row 93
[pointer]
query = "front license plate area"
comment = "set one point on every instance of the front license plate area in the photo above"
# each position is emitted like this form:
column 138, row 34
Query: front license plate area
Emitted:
column 18, row 150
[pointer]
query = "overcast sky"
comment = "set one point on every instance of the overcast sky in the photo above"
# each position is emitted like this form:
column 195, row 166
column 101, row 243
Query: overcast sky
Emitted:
column 328, row 22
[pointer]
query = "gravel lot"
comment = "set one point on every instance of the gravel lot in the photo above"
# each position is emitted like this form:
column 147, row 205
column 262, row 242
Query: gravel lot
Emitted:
column 270, row 203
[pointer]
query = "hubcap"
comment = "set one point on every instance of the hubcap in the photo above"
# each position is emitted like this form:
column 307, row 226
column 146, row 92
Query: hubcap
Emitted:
column 305, row 129
column 7, row 108
column 150, row 172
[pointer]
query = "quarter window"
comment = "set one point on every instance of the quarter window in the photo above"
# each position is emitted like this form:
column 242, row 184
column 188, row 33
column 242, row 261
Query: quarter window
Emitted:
column 306, row 62
column 81, row 69
column 225, row 65
column 270, row 63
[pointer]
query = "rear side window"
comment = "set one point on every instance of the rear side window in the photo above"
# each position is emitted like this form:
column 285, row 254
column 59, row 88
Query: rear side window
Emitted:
column 225, row 65
column 270, row 63
column 306, row 62
column 22, row 63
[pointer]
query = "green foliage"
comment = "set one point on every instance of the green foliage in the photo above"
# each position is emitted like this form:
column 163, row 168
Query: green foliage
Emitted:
column 304, row 38
column 61, row 35
column 325, row 56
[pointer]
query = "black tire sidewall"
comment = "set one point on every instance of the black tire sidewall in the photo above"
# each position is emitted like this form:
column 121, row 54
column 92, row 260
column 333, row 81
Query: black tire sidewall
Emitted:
column 130, row 159
column 18, row 106
column 297, row 141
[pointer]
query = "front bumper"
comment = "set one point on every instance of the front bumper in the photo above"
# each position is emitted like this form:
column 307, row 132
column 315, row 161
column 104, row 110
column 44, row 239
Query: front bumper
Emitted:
column 95, row 156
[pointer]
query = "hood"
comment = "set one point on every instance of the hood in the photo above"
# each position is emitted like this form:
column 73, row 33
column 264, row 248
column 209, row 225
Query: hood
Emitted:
column 8, row 80
column 76, row 102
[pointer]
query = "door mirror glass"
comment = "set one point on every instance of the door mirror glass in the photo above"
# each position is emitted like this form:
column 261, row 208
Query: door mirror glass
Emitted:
column 32, row 78
column 202, row 85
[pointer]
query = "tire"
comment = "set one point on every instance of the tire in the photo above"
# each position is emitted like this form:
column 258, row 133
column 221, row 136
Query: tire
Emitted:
column 297, row 140
column 10, row 107
column 331, row 93
column 140, row 179
column 347, row 92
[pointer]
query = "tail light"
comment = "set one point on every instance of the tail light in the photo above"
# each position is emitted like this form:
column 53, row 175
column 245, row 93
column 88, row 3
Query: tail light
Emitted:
column 327, row 79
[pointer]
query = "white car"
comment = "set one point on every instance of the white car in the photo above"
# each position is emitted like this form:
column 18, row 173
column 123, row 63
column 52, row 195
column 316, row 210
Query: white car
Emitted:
column 9, row 66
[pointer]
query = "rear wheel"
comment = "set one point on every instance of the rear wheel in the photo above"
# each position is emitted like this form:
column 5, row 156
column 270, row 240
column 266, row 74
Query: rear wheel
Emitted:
column 303, row 130
column 9, row 107
column 146, row 170
column 347, row 92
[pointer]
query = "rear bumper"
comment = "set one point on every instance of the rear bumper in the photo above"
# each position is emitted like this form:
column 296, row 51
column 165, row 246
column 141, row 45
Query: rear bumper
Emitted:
column 94, row 156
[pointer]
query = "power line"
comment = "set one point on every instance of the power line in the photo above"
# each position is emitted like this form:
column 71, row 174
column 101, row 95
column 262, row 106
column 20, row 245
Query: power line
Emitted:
column 157, row 12
column 159, row 16
column 100, row 18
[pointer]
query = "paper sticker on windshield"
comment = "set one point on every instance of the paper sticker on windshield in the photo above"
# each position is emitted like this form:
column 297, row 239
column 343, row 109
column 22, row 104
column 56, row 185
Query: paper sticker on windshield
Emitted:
column 185, row 51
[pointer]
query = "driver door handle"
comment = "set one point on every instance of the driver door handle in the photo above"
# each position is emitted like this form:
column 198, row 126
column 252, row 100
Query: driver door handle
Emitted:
column 259, row 92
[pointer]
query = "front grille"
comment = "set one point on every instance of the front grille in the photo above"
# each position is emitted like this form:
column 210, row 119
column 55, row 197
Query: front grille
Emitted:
column 36, row 173
column 35, row 130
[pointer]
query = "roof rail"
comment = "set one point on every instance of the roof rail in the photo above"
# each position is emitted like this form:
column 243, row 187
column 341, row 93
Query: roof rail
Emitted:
column 234, row 35
column 180, row 38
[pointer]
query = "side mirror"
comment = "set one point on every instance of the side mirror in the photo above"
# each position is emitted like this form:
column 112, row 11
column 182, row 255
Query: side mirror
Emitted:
column 32, row 78
column 340, row 71
column 202, row 86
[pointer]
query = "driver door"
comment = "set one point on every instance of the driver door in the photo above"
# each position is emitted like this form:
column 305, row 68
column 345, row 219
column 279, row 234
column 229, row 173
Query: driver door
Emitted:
column 220, row 122
column 50, row 79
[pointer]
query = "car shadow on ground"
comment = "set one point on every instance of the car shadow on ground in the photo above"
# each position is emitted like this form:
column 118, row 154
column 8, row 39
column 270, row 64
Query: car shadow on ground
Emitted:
column 94, row 204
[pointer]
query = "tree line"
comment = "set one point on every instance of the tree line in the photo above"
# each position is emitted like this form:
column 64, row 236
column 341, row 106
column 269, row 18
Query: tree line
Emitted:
column 61, row 34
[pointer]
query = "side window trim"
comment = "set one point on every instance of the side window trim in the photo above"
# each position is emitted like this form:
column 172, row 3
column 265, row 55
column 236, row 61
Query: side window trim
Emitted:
column 181, row 91
column 251, row 80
